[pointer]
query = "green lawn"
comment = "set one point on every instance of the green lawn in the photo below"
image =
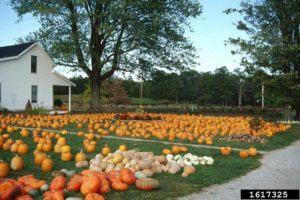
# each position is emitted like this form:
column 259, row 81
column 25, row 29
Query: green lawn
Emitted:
column 172, row 186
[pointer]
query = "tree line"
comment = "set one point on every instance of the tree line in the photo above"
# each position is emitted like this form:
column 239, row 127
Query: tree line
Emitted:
column 221, row 87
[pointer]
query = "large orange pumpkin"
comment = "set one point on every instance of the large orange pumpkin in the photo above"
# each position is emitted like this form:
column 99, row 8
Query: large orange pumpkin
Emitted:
column 119, row 186
column 58, row 183
column 47, row 165
column 243, row 154
column 94, row 196
column 252, row 151
column 90, row 184
column 17, row 163
column 128, row 176
column 4, row 169
column 23, row 149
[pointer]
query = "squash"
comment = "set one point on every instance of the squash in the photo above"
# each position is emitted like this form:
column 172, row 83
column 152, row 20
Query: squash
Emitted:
column 23, row 149
column 65, row 149
column 57, row 148
column 47, row 165
column 4, row 169
column 75, row 183
column 166, row 151
column 175, row 149
column 252, row 151
column 119, row 186
column 17, row 163
column 105, row 150
column 128, row 176
column 58, row 183
column 39, row 157
column 123, row 147
column 90, row 184
column 146, row 184
column 82, row 164
column 117, row 158
column 162, row 159
column 225, row 151
column 183, row 149
column 145, row 164
column 187, row 170
column 66, row 156
column 140, row 174
column 32, row 192
column 9, row 189
column 80, row 156
column 54, row 195
column 94, row 196
column 243, row 153
column 24, row 197
column 44, row 188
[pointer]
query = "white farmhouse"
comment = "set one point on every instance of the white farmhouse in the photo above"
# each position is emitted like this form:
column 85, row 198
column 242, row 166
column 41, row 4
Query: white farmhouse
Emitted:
column 26, row 73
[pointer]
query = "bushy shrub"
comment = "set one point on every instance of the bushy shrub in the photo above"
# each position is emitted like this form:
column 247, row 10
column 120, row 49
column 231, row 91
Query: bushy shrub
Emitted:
column 58, row 102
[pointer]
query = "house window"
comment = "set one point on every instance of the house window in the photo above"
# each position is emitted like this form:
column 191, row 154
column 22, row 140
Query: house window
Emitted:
column 34, row 91
column 33, row 64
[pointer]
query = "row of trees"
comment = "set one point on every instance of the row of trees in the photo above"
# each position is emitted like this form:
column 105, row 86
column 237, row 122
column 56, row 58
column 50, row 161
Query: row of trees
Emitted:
column 220, row 87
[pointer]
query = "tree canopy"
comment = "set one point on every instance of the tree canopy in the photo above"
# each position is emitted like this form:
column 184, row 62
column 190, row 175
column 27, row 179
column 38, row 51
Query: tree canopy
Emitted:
column 273, row 45
column 100, row 37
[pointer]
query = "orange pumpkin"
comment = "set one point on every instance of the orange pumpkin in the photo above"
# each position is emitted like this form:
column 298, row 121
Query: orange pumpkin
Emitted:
column 23, row 149
column 4, row 169
column 119, row 186
column 128, row 176
column 90, row 184
column 39, row 157
column 94, row 196
column 17, row 163
column 105, row 150
column 243, row 154
column 24, row 197
column 75, row 183
column 166, row 151
column 54, row 195
column 80, row 156
column 225, row 151
column 252, row 151
column 175, row 149
column 58, row 183
column 47, row 165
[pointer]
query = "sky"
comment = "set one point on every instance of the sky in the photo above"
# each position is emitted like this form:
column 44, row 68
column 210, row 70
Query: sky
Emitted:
column 210, row 31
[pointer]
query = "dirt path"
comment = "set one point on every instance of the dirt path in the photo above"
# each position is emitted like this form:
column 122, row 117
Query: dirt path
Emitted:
column 280, row 169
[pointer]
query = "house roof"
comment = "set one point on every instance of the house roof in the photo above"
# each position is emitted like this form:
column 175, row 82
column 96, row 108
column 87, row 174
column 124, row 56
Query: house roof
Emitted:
column 14, row 50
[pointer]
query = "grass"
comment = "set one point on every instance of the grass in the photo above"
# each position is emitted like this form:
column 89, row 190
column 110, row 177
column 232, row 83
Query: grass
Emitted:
column 172, row 186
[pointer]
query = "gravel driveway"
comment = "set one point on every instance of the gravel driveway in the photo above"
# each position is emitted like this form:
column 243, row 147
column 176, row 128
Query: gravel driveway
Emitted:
column 280, row 169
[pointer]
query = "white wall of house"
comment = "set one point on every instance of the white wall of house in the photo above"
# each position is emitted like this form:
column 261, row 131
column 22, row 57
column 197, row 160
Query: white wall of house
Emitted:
column 16, row 80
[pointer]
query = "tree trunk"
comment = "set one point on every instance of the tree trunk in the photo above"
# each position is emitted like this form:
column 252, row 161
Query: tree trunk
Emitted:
column 95, row 91
column 297, row 107
column 286, row 113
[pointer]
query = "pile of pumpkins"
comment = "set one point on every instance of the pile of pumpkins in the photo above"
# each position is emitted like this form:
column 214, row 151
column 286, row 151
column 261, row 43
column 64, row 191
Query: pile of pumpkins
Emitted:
column 145, row 164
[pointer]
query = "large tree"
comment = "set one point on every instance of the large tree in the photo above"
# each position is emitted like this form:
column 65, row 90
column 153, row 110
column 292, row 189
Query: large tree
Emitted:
column 101, row 37
column 273, row 44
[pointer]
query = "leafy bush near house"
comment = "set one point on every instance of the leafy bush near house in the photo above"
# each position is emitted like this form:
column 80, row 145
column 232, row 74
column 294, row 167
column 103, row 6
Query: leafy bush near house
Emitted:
column 58, row 102
column 39, row 111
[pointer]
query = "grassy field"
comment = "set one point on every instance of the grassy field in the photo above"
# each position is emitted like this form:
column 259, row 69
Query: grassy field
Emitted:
column 172, row 186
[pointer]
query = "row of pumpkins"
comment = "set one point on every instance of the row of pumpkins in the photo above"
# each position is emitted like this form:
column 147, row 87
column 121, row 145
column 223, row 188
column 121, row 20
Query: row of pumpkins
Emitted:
column 171, row 127
column 92, row 185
